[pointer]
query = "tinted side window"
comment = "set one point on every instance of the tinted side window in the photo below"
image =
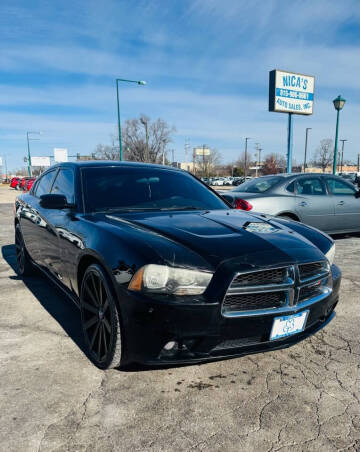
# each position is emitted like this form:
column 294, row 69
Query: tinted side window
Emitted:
column 64, row 185
column 44, row 184
column 310, row 186
column 291, row 187
column 339, row 188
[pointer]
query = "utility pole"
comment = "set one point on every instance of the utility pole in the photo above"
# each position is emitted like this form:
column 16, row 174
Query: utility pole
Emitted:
column 306, row 143
column 246, row 144
column 257, row 147
column 342, row 155
column 204, row 160
column 147, row 142
column 187, row 147
column 172, row 159
column 5, row 168
column 259, row 150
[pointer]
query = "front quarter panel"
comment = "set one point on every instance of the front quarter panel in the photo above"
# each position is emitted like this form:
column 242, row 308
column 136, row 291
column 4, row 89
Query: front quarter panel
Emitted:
column 123, row 248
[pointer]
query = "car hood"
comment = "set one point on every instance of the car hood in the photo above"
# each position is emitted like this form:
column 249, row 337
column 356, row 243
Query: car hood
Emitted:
column 226, row 235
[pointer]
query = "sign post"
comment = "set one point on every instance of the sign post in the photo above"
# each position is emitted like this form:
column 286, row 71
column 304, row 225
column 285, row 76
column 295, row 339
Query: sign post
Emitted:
column 292, row 93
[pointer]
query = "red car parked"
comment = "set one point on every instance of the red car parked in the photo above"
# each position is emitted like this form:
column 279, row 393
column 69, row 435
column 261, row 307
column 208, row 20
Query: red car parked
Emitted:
column 29, row 184
column 23, row 182
column 14, row 182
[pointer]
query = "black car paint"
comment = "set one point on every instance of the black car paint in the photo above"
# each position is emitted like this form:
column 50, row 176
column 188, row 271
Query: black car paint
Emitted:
column 63, row 242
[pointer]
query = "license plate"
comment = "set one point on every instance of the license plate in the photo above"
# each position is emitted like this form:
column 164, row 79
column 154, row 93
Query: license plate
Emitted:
column 288, row 325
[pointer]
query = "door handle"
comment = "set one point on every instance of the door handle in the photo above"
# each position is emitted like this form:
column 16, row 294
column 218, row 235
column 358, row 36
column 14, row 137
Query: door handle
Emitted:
column 341, row 203
column 303, row 203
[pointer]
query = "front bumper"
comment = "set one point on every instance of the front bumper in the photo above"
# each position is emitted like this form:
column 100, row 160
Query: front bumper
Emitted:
column 202, row 333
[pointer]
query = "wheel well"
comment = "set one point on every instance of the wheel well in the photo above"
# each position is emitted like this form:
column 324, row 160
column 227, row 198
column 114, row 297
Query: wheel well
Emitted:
column 290, row 215
column 84, row 263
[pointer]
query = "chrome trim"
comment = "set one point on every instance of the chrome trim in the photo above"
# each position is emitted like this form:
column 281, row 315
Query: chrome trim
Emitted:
column 325, row 272
column 291, row 290
column 264, row 288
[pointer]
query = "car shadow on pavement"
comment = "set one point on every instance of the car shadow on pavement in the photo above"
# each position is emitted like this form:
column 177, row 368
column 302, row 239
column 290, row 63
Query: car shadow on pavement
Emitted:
column 56, row 303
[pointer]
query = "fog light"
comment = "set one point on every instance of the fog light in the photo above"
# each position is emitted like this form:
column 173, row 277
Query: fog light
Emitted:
column 170, row 345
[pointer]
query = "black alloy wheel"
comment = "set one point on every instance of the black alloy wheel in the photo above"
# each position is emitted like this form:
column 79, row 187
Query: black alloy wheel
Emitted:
column 25, row 267
column 100, row 319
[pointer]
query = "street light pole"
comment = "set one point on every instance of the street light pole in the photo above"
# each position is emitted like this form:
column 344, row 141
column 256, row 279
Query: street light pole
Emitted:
column 139, row 82
column 306, row 143
column 342, row 155
column 338, row 104
column 246, row 145
column 28, row 147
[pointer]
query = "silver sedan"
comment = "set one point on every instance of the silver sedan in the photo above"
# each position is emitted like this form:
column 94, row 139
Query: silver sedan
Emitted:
column 324, row 201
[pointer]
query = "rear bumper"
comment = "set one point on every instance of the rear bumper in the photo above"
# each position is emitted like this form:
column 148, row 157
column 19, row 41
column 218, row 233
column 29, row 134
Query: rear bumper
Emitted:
column 202, row 333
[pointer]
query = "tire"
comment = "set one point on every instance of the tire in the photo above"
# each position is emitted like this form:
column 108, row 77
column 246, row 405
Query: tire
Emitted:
column 100, row 319
column 25, row 267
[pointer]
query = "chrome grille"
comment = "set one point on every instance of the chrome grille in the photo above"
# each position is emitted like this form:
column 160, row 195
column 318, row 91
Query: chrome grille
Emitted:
column 261, row 291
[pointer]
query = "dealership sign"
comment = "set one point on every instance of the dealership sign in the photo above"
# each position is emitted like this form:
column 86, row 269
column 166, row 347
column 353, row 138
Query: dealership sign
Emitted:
column 40, row 161
column 290, row 92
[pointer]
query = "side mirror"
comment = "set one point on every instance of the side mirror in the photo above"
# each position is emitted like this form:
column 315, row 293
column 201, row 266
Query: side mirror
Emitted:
column 357, row 194
column 52, row 201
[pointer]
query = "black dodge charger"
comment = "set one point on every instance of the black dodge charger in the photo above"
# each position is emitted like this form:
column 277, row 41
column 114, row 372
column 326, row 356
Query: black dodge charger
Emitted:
column 164, row 271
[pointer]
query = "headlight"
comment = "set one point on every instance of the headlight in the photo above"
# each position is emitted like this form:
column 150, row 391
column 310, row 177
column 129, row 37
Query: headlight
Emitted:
column 168, row 280
column 331, row 254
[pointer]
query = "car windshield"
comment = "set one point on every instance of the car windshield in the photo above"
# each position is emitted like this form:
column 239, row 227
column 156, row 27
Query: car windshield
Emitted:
column 259, row 185
column 138, row 189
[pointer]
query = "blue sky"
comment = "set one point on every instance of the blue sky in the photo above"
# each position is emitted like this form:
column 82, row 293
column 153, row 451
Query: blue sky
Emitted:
column 206, row 63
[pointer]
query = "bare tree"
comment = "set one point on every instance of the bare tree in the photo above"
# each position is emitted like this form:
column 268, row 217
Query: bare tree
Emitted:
column 142, row 141
column 240, row 163
column 108, row 152
column 205, row 165
column 324, row 154
column 273, row 164
column 38, row 170
column 146, row 141
column 21, row 171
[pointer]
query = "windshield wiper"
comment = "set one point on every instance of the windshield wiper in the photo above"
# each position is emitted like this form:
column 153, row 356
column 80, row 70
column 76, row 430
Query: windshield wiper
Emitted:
column 123, row 209
column 183, row 208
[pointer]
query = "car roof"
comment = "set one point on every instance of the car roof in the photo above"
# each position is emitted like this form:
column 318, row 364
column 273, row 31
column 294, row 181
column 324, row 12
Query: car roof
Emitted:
column 290, row 175
column 113, row 163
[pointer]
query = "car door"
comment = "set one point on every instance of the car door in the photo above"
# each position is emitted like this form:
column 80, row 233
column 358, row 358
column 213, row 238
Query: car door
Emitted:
column 347, row 207
column 64, row 223
column 38, row 235
column 313, row 206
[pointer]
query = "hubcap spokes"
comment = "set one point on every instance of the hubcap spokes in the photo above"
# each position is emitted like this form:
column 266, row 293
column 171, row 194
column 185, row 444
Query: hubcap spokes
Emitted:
column 96, row 316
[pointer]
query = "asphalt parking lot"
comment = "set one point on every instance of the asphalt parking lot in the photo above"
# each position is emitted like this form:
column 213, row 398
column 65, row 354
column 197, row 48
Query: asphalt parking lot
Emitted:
column 303, row 398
